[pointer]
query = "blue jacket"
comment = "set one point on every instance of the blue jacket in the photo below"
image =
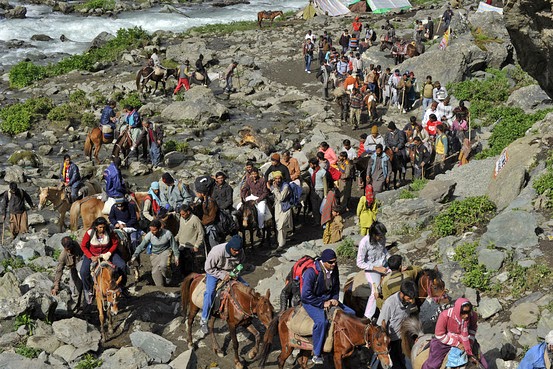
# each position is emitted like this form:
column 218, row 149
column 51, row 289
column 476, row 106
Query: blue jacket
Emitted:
column 314, row 291
column 115, row 187
column 74, row 174
column 534, row 358
column 107, row 114
column 126, row 215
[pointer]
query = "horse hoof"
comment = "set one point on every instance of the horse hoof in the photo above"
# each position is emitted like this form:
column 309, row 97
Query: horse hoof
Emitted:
column 191, row 346
column 252, row 354
column 220, row 353
column 238, row 365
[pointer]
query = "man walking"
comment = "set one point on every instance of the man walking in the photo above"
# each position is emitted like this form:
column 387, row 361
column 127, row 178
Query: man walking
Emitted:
column 228, row 76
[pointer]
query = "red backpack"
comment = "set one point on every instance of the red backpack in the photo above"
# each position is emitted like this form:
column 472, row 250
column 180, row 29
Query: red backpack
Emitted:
column 334, row 173
column 304, row 263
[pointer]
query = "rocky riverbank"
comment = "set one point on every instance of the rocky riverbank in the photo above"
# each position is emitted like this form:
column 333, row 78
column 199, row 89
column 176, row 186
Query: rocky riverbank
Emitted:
column 278, row 103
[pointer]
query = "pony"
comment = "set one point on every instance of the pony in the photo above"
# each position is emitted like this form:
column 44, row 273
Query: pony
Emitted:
column 144, row 75
column 414, row 342
column 123, row 146
column 107, row 292
column 349, row 332
column 248, row 222
column 93, row 143
column 196, row 78
column 88, row 208
column 240, row 304
column 268, row 15
column 430, row 285
column 59, row 199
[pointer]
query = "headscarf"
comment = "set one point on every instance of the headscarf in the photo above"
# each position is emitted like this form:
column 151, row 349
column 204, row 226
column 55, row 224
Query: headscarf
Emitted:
column 154, row 186
column 463, row 324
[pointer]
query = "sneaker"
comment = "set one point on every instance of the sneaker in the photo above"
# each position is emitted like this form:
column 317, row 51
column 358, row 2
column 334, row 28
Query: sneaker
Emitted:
column 317, row 360
column 203, row 326
column 308, row 71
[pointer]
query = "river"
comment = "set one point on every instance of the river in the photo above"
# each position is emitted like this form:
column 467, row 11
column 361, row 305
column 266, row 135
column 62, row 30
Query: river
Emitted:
column 41, row 20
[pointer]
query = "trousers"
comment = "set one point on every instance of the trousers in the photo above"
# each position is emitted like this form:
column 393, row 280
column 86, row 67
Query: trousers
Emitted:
column 210, row 286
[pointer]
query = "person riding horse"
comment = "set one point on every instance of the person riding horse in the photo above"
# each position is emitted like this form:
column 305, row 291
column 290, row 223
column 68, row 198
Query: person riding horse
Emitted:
column 70, row 178
column 108, row 120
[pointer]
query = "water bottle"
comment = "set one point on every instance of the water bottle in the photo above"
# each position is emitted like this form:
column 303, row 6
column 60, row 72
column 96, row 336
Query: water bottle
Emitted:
column 236, row 271
column 149, row 248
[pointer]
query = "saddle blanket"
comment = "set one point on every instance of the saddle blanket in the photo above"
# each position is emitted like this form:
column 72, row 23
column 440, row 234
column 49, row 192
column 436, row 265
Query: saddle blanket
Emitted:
column 301, row 330
column 361, row 287
column 199, row 291
column 107, row 205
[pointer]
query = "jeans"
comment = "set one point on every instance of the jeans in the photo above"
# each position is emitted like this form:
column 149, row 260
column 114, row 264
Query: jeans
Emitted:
column 308, row 59
column 228, row 87
column 75, row 191
column 426, row 101
column 120, row 268
column 155, row 153
column 320, row 325
column 210, row 286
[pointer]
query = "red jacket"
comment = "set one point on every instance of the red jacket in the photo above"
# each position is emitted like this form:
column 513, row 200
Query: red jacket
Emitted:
column 91, row 249
column 452, row 330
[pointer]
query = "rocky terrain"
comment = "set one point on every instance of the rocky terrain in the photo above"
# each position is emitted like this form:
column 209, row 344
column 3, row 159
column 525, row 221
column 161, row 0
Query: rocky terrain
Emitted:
column 277, row 102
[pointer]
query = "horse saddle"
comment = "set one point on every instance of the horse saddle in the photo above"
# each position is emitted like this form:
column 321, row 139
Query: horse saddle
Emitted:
column 361, row 287
column 301, row 329
column 199, row 291
column 158, row 71
column 199, row 76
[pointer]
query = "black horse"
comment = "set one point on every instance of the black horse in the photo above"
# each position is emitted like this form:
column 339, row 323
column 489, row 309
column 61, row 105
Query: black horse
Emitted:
column 147, row 74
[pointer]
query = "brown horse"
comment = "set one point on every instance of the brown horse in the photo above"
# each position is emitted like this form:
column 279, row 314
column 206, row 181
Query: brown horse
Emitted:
column 123, row 146
column 414, row 344
column 58, row 197
column 107, row 292
column 429, row 282
column 249, row 223
column 349, row 332
column 268, row 15
column 93, row 143
column 240, row 305
column 146, row 74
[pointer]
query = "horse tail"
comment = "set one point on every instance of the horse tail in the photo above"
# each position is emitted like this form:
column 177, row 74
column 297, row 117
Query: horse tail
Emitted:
column 88, row 146
column 411, row 329
column 138, row 78
column 185, row 292
column 271, row 331
column 74, row 215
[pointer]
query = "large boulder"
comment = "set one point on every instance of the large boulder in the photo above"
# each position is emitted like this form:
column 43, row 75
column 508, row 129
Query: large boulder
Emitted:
column 101, row 39
column 19, row 12
column 516, row 161
column 530, row 98
column 512, row 229
column 408, row 214
column 439, row 191
column 77, row 333
column 491, row 25
column 158, row 349
column 200, row 105
column 529, row 24
column 125, row 358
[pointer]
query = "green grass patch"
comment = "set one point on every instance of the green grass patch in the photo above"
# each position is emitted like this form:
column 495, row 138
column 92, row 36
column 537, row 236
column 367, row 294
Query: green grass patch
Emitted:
column 24, row 320
column 97, row 4
column 347, row 249
column 25, row 73
column 544, row 183
column 132, row 99
column 172, row 145
column 222, row 28
column 28, row 352
column 481, row 39
column 13, row 263
column 462, row 215
column 17, row 118
column 406, row 194
column 418, row 184
column 476, row 276
column 89, row 362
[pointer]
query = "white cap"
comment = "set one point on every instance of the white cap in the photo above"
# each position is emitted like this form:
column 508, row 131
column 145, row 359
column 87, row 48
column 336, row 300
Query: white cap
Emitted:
column 549, row 338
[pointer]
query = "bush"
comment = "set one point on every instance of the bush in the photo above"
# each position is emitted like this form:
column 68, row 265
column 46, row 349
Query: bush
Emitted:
column 418, row 184
column 24, row 320
column 462, row 215
column 28, row 352
column 172, row 145
column 347, row 249
column 476, row 275
column 88, row 120
column 60, row 113
column 19, row 117
column 25, row 73
column 132, row 99
column 406, row 194
column 97, row 4
column 513, row 124
column 523, row 279
column 79, row 99
column 13, row 263
column 89, row 362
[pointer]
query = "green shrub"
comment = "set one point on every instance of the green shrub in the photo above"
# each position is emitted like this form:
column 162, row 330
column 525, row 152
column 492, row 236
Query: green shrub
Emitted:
column 88, row 120
column 172, row 145
column 132, row 99
column 79, row 99
column 60, row 113
column 513, row 124
column 17, row 118
column 13, row 263
column 28, row 352
column 347, row 249
column 56, row 254
column 476, row 275
column 406, row 194
column 24, row 320
column 523, row 279
column 462, row 215
column 418, row 184
column 97, row 4
column 25, row 73
column 89, row 362
column 222, row 28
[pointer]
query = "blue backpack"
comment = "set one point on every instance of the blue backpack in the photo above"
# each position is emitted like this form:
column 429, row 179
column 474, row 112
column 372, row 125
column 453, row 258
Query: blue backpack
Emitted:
column 296, row 192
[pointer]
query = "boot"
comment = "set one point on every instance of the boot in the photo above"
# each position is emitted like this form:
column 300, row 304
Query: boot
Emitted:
column 283, row 300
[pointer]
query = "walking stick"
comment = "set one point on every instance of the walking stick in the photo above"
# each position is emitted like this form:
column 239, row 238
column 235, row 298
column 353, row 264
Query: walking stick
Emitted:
column 438, row 29
column 468, row 118
column 402, row 98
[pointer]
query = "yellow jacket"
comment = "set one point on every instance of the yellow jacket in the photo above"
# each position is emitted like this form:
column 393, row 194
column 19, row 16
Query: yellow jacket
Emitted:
column 367, row 215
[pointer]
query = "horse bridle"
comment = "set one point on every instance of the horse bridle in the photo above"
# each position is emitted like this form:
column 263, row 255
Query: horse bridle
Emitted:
column 368, row 343
column 107, row 303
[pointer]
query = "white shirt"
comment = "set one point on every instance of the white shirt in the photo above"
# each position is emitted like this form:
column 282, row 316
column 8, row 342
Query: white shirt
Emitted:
column 427, row 116
column 155, row 59
column 371, row 142
column 352, row 154
column 310, row 36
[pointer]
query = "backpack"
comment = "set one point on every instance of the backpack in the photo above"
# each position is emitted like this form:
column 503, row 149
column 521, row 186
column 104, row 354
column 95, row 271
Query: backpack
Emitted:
column 373, row 36
column 453, row 143
column 134, row 119
column 300, row 266
column 226, row 224
column 296, row 192
column 369, row 194
column 204, row 184
column 335, row 174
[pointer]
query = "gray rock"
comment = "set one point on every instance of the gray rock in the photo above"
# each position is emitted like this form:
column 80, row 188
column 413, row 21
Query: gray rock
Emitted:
column 9, row 287
column 529, row 98
column 528, row 338
column 511, row 230
column 25, row 158
column 10, row 338
column 54, row 242
column 438, row 191
column 525, row 314
column 41, row 37
column 452, row 274
column 408, row 214
column 488, row 307
column 44, row 262
column 15, row 174
column 101, row 40
column 186, row 360
column 446, row 246
column 35, row 219
column 137, row 168
column 45, row 149
column 126, row 358
column 39, row 282
column 200, row 105
column 174, row 159
column 78, row 333
column 19, row 12
column 507, row 184
column 476, row 171
column 66, row 352
column 30, row 249
column 158, row 349
column 48, row 343
column 492, row 259
column 13, row 360
column 545, row 324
